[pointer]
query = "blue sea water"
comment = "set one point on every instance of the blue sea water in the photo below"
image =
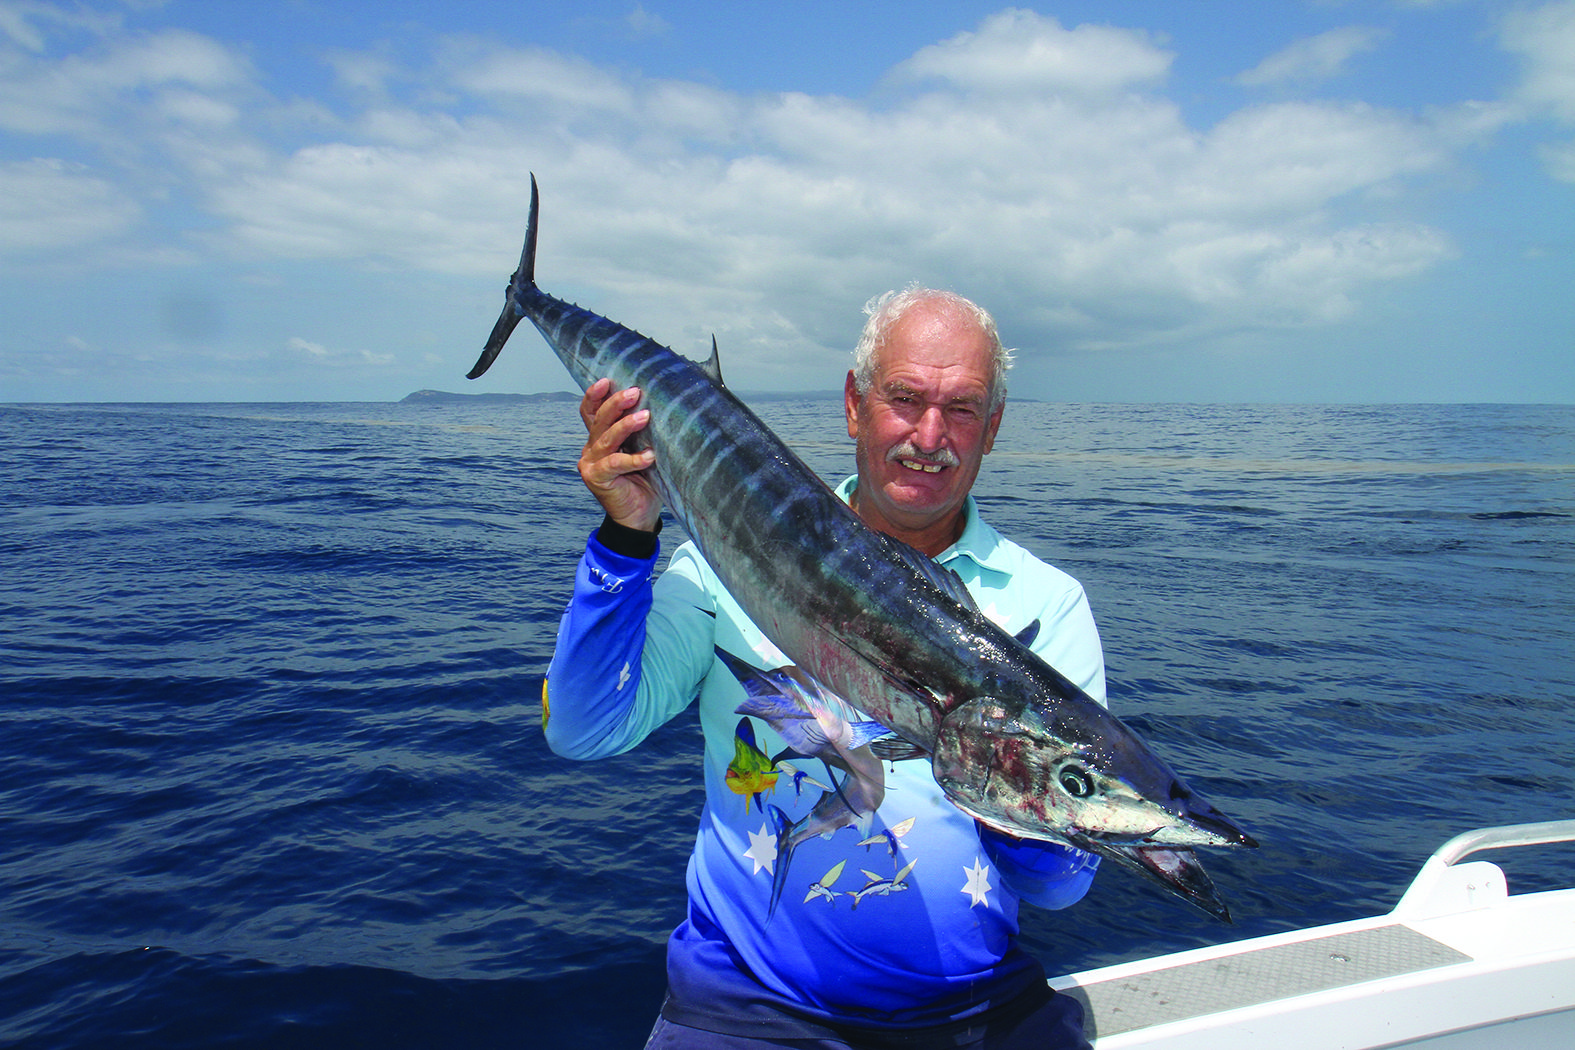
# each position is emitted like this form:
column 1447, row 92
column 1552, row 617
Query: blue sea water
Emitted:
column 271, row 772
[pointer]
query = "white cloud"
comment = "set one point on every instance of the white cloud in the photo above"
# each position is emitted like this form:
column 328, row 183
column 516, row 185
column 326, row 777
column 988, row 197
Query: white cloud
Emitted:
column 295, row 342
column 1038, row 167
column 643, row 23
column 1314, row 58
column 1544, row 37
column 51, row 204
column 1023, row 52
column 1099, row 207
column 1286, row 159
column 321, row 353
column 541, row 76
column 81, row 93
column 20, row 21
column 1560, row 159
column 198, row 110
column 362, row 71
column 15, row 25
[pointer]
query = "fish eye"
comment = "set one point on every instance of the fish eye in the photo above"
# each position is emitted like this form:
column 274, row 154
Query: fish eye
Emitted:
column 1075, row 781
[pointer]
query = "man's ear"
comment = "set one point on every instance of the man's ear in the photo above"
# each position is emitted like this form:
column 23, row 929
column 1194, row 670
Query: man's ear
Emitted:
column 850, row 405
column 994, row 425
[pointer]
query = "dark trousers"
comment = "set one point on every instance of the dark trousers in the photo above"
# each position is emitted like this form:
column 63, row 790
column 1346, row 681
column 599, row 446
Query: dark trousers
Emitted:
column 1055, row 1025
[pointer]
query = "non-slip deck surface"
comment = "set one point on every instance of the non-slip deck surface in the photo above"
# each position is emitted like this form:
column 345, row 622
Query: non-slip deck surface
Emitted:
column 1234, row 981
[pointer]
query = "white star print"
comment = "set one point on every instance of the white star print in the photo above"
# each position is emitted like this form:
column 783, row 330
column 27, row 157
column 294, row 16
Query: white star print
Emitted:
column 978, row 884
column 762, row 850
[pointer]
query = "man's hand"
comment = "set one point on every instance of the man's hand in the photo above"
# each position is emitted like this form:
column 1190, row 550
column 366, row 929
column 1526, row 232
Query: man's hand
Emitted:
column 615, row 477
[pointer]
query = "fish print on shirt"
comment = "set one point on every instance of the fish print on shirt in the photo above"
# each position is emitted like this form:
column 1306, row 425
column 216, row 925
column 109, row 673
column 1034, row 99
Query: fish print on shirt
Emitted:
column 813, row 726
column 751, row 773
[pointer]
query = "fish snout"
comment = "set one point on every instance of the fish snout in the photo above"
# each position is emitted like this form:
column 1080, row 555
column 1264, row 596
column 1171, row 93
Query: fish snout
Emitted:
column 1202, row 814
column 1198, row 823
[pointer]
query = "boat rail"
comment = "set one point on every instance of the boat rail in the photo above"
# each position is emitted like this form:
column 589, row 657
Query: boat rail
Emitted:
column 1448, row 883
column 1469, row 842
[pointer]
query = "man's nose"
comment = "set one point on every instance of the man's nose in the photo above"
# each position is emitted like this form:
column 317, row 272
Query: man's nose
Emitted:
column 929, row 431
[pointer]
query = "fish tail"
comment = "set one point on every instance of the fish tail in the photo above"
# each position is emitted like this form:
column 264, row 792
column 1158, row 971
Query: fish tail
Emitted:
column 526, row 273
column 785, row 848
column 523, row 281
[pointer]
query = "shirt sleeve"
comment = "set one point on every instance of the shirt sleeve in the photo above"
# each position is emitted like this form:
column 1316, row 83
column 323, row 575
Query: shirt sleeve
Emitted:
column 1068, row 639
column 1047, row 874
column 627, row 659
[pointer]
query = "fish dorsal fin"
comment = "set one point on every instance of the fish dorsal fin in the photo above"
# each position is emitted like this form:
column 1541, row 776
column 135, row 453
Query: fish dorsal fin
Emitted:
column 1028, row 634
column 713, row 367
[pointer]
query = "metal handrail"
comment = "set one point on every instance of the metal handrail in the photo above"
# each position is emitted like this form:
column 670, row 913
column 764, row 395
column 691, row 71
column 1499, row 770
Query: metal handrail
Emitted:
column 1469, row 842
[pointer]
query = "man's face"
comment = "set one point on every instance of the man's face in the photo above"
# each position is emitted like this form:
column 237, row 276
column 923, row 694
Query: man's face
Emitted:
column 924, row 426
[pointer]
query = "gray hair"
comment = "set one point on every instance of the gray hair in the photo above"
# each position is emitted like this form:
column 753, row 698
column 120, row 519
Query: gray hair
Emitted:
column 887, row 309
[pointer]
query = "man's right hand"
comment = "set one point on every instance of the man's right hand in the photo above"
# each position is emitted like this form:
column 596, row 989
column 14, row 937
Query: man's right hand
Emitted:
column 617, row 478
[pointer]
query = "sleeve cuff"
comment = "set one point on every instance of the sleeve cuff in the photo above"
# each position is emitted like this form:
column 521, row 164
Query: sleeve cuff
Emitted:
column 630, row 543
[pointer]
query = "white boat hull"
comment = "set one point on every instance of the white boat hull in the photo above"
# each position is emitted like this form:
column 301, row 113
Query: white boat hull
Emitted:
column 1460, row 964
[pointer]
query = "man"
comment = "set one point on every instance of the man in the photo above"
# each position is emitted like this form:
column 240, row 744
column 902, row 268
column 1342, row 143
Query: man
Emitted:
column 896, row 929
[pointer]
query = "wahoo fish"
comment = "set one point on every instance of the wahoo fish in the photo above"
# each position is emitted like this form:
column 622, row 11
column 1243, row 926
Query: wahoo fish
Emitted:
column 1012, row 742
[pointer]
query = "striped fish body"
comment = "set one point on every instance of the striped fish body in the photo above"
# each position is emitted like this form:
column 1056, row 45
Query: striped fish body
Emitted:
column 848, row 604
column 1013, row 742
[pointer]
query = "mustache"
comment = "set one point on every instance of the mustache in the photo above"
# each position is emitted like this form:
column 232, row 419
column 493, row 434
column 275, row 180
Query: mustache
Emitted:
column 943, row 457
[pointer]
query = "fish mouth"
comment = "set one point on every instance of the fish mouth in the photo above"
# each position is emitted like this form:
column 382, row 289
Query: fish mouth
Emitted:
column 1177, row 869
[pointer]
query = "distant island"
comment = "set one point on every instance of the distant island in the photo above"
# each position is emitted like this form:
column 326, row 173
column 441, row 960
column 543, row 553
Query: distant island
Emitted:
column 443, row 397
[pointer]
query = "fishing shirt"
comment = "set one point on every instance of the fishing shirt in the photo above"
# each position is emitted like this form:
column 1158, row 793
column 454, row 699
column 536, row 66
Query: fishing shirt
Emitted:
column 905, row 919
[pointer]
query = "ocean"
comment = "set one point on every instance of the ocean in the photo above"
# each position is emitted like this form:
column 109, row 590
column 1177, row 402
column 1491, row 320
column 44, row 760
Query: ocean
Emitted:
column 272, row 770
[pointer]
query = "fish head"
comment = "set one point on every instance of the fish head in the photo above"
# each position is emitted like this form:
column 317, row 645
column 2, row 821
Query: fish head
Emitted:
column 1068, row 771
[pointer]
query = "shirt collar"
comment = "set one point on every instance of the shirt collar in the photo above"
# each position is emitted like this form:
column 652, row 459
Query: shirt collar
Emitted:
column 977, row 542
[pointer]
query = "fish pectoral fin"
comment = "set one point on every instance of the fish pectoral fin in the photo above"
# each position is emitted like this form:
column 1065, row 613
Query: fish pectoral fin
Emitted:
column 945, row 579
column 866, row 732
column 896, row 749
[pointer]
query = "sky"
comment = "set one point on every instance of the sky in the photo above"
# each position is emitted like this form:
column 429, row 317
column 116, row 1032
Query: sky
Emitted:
column 1255, row 201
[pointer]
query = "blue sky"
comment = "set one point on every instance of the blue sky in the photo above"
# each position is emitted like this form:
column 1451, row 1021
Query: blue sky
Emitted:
column 1271, row 201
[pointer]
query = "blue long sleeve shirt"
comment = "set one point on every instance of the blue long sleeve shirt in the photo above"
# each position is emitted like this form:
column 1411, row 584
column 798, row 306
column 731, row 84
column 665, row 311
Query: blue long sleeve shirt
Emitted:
column 907, row 918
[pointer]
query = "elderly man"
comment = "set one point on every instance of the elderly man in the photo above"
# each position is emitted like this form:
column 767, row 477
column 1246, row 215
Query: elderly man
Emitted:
column 896, row 929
